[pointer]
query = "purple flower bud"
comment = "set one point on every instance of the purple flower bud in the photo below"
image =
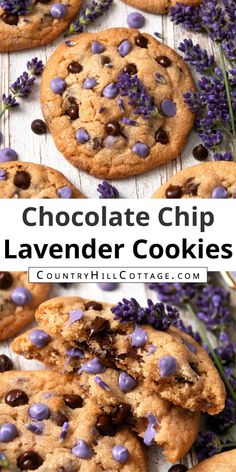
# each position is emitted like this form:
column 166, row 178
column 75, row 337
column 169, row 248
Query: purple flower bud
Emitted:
column 89, row 83
column 124, row 48
column 120, row 454
column 219, row 192
column 82, row 136
column 97, row 47
column 167, row 365
column 82, row 450
column 39, row 411
column 21, row 296
column 111, row 91
column 126, row 382
column 65, row 192
column 135, row 20
column 58, row 10
column 142, row 150
column 39, row 338
column 7, row 154
column 58, row 85
column 8, row 432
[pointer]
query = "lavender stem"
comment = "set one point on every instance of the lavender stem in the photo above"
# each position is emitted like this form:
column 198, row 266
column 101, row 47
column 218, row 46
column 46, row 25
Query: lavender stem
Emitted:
column 227, row 88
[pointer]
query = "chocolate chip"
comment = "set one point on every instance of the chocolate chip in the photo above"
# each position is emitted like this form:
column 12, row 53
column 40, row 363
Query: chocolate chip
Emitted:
column 5, row 363
column 93, row 306
column 99, row 325
column 6, row 280
column 29, row 461
column 200, row 153
column 74, row 67
column 178, row 468
column 190, row 187
column 59, row 418
column 130, row 69
column 38, row 127
column 162, row 136
column 112, row 128
column 105, row 60
column 122, row 414
column 16, row 397
column 141, row 41
column 9, row 19
column 22, row 179
column 73, row 112
column 164, row 61
column 73, row 401
column 105, row 425
column 174, row 191
column 194, row 367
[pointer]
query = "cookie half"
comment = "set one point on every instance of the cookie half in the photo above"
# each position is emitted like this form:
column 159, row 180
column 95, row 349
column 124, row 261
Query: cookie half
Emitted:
column 28, row 180
column 47, row 424
column 45, row 21
column 178, row 368
column 92, row 120
column 226, row 461
column 208, row 180
column 159, row 6
column 174, row 429
column 18, row 301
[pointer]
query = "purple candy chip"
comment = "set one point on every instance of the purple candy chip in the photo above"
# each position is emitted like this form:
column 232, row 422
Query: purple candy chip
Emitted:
column 219, row 192
column 58, row 10
column 142, row 150
column 167, row 365
column 111, row 91
column 102, row 384
column 65, row 192
column 93, row 367
column 3, row 174
column 139, row 337
column 82, row 136
column 82, row 450
column 150, row 432
column 108, row 286
column 58, row 85
column 75, row 315
column 97, row 47
column 124, row 48
column 120, row 454
column 21, row 296
column 135, row 20
column 126, row 382
column 152, row 349
column 39, row 338
column 7, row 154
column 8, row 432
column 168, row 107
column 36, row 427
column 89, row 83
column 39, row 411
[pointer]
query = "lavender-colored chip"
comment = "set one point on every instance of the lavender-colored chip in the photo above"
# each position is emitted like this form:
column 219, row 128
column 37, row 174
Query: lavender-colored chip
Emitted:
column 167, row 365
column 110, row 91
column 102, row 384
column 82, row 450
column 168, row 107
column 124, row 48
column 3, row 174
column 64, row 431
column 142, row 150
column 65, row 192
column 150, row 432
column 94, row 366
column 89, row 83
column 97, row 48
column 126, row 382
column 75, row 315
column 139, row 337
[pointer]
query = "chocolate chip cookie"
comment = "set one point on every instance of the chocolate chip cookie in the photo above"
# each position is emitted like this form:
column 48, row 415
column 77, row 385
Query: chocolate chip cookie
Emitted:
column 178, row 368
column 37, row 22
column 208, row 180
column 28, row 180
column 18, row 301
column 159, row 6
column 226, row 461
column 156, row 420
column 47, row 424
column 113, row 102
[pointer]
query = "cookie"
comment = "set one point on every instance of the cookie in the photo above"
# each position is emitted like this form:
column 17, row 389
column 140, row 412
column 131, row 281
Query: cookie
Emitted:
column 91, row 118
column 208, row 180
column 45, row 21
column 18, row 301
column 47, row 424
column 224, row 462
column 28, row 180
column 178, row 368
column 174, row 429
column 159, row 6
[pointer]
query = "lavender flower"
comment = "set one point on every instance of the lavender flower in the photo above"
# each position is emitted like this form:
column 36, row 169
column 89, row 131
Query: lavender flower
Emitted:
column 35, row 66
column 175, row 293
column 225, row 350
column 212, row 305
column 89, row 14
column 222, row 422
column 157, row 315
column 135, row 90
column 107, row 190
column 227, row 156
column 188, row 16
column 16, row 7
column 197, row 57
column 208, row 444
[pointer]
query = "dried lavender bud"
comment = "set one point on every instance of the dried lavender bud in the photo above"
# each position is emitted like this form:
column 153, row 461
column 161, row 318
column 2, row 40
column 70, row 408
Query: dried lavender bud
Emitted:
column 135, row 90
column 89, row 14
column 16, row 7
column 107, row 190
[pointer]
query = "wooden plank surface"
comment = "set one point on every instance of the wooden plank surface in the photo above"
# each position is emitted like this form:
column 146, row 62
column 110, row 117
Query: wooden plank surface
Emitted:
column 41, row 149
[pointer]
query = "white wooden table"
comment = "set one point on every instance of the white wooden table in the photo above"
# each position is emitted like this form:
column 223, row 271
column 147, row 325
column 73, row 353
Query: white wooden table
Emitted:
column 41, row 149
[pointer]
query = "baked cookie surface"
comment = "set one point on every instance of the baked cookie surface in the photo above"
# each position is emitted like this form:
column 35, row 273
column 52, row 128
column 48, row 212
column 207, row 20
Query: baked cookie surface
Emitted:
column 224, row 462
column 175, row 429
column 159, row 6
column 208, row 180
column 39, row 26
column 47, row 424
column 18, row 301
column 93, row 122
column 178, row 368
column 28, row 180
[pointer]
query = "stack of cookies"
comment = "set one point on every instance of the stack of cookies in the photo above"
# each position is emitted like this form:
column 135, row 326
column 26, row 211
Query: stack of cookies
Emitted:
column 111, row 381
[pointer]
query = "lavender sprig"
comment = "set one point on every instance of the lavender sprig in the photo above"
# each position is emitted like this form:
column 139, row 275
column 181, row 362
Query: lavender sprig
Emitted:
column 135, row 90
column 89, row 14
column 107, row 190
column 22, row 87
column 16, row 7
